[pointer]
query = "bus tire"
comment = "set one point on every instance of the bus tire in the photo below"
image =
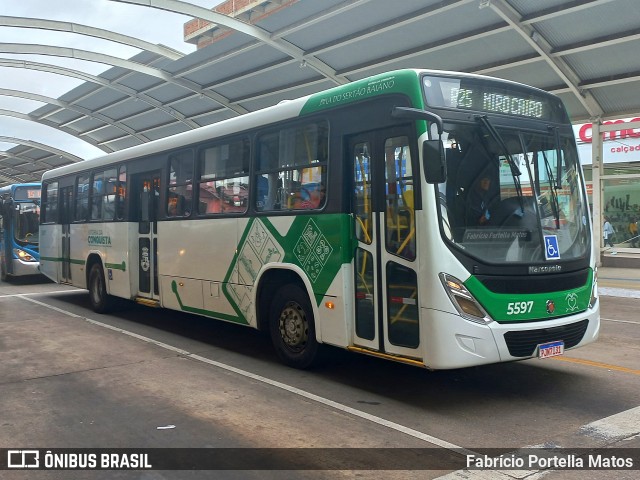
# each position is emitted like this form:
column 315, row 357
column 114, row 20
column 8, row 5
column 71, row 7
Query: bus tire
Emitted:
column 3, row 270
column 292, row 327
column 100, row 300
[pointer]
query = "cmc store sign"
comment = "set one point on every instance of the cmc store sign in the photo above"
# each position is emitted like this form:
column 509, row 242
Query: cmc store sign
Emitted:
column 621, row 145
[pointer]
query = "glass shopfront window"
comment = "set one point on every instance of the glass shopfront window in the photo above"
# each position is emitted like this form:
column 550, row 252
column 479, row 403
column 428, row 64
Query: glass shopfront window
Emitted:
column 620, row 201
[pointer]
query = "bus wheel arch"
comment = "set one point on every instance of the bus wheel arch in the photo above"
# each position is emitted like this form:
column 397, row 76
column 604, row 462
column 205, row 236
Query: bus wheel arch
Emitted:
column 97, row 285
column 268, row 283
column 286, row 311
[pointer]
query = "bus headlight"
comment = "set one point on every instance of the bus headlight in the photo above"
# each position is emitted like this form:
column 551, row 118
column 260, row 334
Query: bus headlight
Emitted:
column 594, row 288
column 24, row 256
column 462, row 299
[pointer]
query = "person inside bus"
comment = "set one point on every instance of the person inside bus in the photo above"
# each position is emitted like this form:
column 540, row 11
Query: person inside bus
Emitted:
column 309, row 198
column 478, row 201
column 317, row 196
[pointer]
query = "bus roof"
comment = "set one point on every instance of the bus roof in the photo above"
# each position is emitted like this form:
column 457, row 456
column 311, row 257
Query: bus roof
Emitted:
column 398, row 82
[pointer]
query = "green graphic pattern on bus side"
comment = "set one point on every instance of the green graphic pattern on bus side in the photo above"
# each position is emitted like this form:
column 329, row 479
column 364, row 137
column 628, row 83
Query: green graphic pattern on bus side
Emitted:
column 202, row 311
column 318, row 244
column 405, row 82
column 507, row 308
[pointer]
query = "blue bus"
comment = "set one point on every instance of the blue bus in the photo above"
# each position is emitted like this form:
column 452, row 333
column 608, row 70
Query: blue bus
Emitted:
column 19, row 222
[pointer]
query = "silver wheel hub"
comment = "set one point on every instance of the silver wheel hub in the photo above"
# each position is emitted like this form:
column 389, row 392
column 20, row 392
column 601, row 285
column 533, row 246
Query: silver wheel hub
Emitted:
column 293, row 325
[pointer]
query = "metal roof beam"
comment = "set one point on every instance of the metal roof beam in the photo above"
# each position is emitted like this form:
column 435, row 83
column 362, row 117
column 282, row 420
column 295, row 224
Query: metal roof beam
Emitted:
column 239, row 26
column 75, row 108
column 20, row 168
column 554, row 12
column 336, row 10
column 486, row 69
column 599, row 42
column 389, row 25
column 431, row 47
column 542, row 46
column 10, row 179
column 218, row 58
column 41, row 146
column 130, row 92
column 25, row 116
column 32, row 49
column 611, row 80
column 42, row 24
column 325, row 14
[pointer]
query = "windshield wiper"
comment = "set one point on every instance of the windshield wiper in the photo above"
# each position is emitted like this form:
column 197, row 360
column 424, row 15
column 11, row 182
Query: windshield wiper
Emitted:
column 556, row 135
column 515, row 171
column 555, row 206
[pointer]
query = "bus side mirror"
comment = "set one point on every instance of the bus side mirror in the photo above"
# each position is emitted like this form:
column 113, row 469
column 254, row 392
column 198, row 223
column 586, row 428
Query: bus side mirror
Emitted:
column 434, row 161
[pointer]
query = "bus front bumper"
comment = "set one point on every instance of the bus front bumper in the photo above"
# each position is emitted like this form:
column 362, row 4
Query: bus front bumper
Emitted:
column 454, row 342
column 21, row 268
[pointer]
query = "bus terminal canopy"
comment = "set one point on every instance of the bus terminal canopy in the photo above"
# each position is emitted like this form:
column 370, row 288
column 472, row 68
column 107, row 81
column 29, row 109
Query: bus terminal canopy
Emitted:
column 585, row 51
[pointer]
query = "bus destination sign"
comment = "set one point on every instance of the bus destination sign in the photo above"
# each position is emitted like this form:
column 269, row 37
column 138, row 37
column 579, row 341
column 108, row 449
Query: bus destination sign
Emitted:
column 496, row 102
column 485, row 96
column 27, row 193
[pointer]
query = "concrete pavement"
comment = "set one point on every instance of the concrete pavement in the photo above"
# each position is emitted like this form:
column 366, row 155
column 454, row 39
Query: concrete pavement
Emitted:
column 619, row 282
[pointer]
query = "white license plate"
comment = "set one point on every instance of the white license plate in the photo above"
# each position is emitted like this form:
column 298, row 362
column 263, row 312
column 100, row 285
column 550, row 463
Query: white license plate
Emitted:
column 551, row 349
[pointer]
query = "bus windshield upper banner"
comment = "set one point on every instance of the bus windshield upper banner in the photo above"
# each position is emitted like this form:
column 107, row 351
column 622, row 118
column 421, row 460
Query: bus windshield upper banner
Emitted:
column 26, row 193
column 486, row 96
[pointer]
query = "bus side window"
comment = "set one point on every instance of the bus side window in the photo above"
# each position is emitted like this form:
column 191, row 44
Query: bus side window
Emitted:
column 180, row 194
column 292, row 168
column 267, row 181
column 97, row 192
column 121, row 192
column 109, row 199
column 50, row 203
column 223, row 178
column 82, row 198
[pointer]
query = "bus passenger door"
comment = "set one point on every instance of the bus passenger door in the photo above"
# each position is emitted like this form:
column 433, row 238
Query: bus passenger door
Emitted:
column 147, row 188
column 385, row 266
column 66, row 216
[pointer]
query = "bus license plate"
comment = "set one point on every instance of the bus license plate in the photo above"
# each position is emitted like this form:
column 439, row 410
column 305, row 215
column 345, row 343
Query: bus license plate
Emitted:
column 551, row 349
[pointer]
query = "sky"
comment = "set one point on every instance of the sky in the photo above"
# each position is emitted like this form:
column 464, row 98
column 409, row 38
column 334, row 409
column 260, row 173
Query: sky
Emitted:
column 145, row 23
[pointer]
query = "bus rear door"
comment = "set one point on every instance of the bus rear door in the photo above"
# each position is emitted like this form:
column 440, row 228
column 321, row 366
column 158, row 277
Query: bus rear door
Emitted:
column 385, row 266
column 66, row 216
column 147, row 188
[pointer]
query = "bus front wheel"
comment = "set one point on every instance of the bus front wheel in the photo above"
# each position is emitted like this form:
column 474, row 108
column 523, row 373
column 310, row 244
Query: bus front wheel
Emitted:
column 100, row 300
column 292, row 327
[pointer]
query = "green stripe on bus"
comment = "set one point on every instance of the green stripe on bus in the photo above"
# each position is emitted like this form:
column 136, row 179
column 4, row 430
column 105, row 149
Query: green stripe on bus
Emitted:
column 404, row 82
column 60, row 259
column 202, row 311
column 522, row 307
column 117, row 266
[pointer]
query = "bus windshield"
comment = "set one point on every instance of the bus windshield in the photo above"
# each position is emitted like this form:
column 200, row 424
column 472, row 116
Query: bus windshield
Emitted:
column 27, row 219
column 513, row 195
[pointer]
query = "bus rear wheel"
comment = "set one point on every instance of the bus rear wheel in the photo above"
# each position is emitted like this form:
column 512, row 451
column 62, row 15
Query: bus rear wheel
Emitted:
column 292, row 327
column 100, row 300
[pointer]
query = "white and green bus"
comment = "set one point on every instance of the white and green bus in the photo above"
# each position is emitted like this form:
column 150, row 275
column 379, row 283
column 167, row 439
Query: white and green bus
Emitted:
column 350, row 218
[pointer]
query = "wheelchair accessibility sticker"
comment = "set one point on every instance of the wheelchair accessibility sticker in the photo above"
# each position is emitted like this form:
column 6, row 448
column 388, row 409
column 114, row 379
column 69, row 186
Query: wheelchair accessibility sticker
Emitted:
column 551, row 250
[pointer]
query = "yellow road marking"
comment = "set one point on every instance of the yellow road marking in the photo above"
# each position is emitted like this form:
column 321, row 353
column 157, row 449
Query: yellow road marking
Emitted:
column 591, row 363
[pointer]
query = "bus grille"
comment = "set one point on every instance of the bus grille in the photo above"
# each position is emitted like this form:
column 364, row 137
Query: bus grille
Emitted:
column 524, row 343
column 535, row 284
